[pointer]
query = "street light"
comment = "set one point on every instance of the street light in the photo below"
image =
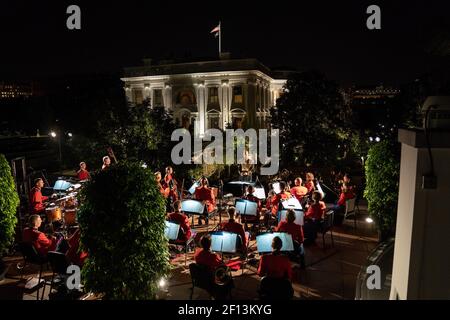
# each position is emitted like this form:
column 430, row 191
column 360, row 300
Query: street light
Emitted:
column 54, row 135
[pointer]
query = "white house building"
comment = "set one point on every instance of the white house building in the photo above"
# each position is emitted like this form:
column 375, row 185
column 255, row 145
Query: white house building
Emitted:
column 229, row 92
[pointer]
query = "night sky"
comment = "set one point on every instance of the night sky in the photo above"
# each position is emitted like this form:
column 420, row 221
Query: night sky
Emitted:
column 327, row 35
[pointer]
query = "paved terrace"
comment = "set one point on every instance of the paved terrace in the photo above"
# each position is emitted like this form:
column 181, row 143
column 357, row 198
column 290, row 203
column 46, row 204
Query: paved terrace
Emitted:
column 330, row 273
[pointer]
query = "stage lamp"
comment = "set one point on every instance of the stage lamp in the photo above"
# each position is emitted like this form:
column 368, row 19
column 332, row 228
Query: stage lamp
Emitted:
column 369, row 220
column 53, row 134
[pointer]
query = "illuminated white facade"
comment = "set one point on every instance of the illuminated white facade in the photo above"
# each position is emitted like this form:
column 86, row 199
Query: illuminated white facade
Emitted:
column 219, row 94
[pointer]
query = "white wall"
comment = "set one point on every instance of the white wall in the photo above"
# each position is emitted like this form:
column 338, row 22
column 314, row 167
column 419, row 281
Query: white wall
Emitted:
column 422, row 243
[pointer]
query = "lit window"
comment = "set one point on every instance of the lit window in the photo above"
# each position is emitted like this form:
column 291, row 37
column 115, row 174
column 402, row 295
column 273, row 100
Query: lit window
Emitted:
column 237, row 95
column 157, row 97
column 213, row 95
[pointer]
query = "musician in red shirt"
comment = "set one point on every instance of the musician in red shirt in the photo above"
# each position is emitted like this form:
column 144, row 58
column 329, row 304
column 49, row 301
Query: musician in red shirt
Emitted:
column 205, row 257
column 289, row 226
column 170, row 185
column 296, row 231
column 206, row 195
column 158, row 178
column 309, row 184
column 37, row 239
column 235, row 227
column 251, row 197
column 278, row 197
column 317, row 209
column 275, row 265
column 299, row 191
column 36, row 198
column 181, row 219
column 73, row 254
column 346, row 194
column 83, row 174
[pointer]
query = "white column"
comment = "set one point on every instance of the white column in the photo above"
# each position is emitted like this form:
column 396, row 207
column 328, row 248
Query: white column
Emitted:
column 201, row 106
column 167, row 97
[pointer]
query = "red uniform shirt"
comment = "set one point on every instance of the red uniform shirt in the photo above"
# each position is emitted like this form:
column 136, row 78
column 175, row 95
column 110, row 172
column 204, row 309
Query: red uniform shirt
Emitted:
column 309, row 185
column 345, row 196
column 83, row 175
column 275, row 266
column 183, row 221
column 38, row 240
column 207, row 258
column 73, row 254
column 206, row 194
column 295, row 230
column 276, row 201
column 316, row 210
column 299, row 192
column 235, row 227
column 36, row 200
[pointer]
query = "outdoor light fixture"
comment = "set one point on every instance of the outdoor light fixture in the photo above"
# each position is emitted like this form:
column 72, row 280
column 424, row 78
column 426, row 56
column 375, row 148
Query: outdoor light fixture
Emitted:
column 369, row 220
column 377, row 139
column 70, row 134
column 370, row 139
column 162, row 283
column 53, row 134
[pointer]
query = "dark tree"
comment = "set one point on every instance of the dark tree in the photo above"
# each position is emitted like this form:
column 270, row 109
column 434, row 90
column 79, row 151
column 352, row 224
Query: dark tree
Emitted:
column 312, row 120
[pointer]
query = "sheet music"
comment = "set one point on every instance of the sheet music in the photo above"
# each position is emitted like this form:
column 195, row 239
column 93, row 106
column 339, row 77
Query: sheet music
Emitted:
column 223, row 241
column 260, row 193
column 171, row 230
column 292, row 203
column 246, row 207
column 264, row 241
column 276, row 187
column 229, row 241
column 240, row 206
column 193, row 187
column 192, row 206
column 299, row 216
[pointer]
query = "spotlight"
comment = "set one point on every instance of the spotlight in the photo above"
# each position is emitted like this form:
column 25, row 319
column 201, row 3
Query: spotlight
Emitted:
column 162, row 283
column 53, row 134
column 369, row 220
column 377, row 139
column 70, row 134
column 370, row 139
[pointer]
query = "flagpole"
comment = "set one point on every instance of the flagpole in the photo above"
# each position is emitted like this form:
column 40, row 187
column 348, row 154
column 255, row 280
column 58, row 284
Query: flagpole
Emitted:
column 220, row 38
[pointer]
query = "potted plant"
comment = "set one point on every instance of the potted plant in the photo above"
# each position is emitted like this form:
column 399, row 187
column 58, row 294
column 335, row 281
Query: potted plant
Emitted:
column 9, row 201
column 122, row 222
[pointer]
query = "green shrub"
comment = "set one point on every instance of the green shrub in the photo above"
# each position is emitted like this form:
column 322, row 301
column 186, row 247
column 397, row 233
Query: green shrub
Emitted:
column 122, row 228
column 9, row 201
column 382, row 179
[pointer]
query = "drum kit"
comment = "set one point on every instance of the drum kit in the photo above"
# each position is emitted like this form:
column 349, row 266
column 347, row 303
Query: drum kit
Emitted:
column 62, row 212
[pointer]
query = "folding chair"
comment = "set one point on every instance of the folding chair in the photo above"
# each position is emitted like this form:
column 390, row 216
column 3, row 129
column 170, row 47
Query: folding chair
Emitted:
column 31, row 256
column 350, row 205
column 327, row 225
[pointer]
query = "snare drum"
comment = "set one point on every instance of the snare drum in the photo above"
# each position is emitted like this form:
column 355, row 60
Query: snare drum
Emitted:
column 53, row 214
column 70, row 216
